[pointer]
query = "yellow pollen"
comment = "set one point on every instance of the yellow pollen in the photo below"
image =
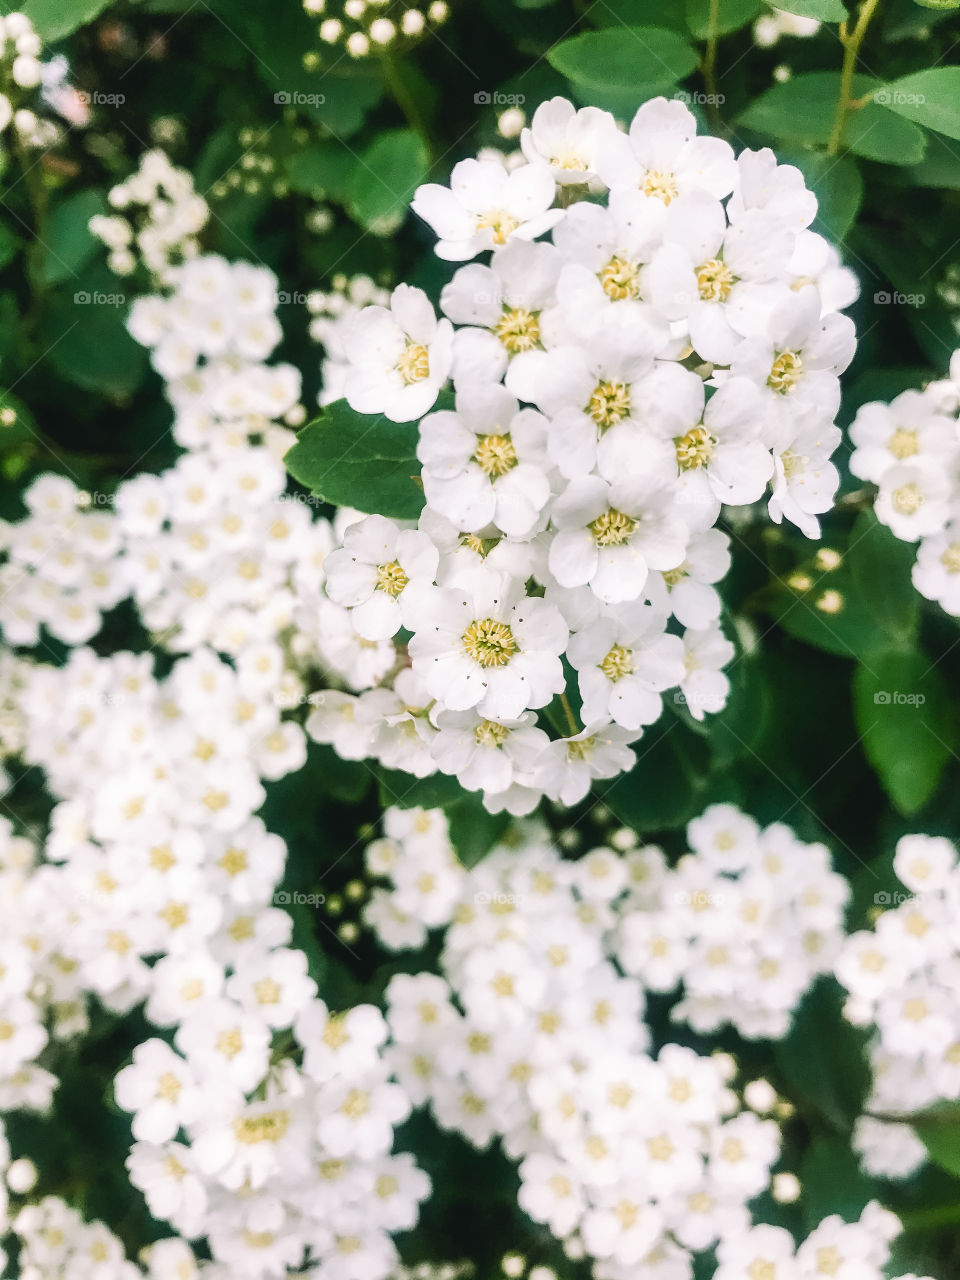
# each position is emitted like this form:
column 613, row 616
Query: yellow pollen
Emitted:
column 267, row 991
column 386, row 1186
column 672, row 576
column 391, row 578
column 518, row 329
column 714, row 281
column 620, row 279
column 903, row 443
column 561, row 1186
column 230, row 1042
column 495, row 455
column 503, row 985
column 241, row 929
column 695, row 449
column 582, row 749
column 489, row 643
column 168, row 1087
column 732, row 1150
column 334, row 1033
column 612, row 529
column 660, row 1148
column 609, row 404
column 414, row 363
column 662, row 186
column 627, row 1214
column 356, row 1104
column 785, row 372
column 761, row 1269
column 620, row 1095
column 501, row 223
column 215, row 800
column 907, row 500
column 268, row 1127
column 829, row 1261
column 951, row 558
column 174, row 914
column 618, row 663
column 490, row 734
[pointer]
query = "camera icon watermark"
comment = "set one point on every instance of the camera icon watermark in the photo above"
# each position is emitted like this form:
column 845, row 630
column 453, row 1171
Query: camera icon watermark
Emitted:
column 894, row 97
column 296, row 299
column 295, row 98
column 98, row 99
column 97, row 299
column 699, row 99
column 484, row 98
column 884, row 298
column 894, row 698
column 287, row 898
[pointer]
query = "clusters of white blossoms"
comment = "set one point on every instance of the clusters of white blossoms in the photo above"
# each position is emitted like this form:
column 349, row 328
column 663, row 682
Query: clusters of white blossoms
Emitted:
column 22, row 72
column 673, row 350
column 159, row 217
column 909, row 449
column 331, row 314
column 746, row 922
column 370, row 26
column 902, row 982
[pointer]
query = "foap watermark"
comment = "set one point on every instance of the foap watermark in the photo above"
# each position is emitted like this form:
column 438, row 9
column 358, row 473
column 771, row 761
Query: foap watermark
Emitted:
column 97, row 299
column 498, row 899
column 895, row 698
column 484, row 98
column 708, row 702
column 896, row 898
column 285, row 898
column 97, row 99
column 297, row 99
column 699, row 99
column 896, row 98
column 897, row 299
column 285, row 299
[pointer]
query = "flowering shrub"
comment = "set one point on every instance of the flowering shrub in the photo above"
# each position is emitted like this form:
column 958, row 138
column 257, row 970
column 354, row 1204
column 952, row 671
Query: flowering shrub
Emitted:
column 499, row 820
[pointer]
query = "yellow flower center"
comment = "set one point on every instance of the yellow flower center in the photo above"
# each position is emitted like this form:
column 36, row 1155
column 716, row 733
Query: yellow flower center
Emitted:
column 618, row 663
column 268, row 1127
column 490, row 643
column 695, row 449
column 495, row 455
column 609, row 404
column 581, row 749
column 662, row 186
column 414, row 363
column 714, row 281
column 391, row 578
column 951, row 558
column 672, row 576
column 518, row 329
column 903, row 443
column 785, row 372
column 490, row 734
column 907, row 500
column 612, row 529
column 620, row 279
column 501, row 223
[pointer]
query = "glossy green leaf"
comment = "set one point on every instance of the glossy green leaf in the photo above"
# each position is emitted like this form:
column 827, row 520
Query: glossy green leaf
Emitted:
column 880, row 567
column 359, row 460
column 384, row 178
column 643, row 60
column 822, row 10
column 930, row 98
column 731, row 16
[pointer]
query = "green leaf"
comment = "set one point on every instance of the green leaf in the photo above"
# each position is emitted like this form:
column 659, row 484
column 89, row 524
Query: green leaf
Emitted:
column 838, row 186
column 384, row 179
column 637, row 13
column 904, row 719
column 54, row 19
column 939, row 1131
column 822, row 609
column 802, row 109
column 930, row 98
column 67, row 242
column 666, row 787
column 833, row 1181
column 939, row 4
column 640, row 60
column 86, row 336
column 9, row 244
column 822, row 10
column 880, row 568
column 823, row 1059
column 940, row 166
column 359, row 460
column 731, row 16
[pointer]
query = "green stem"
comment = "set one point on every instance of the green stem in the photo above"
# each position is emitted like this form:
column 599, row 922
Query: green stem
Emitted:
column 407, row 102
column 851, row 41
column 709, row 65
column 568, row 712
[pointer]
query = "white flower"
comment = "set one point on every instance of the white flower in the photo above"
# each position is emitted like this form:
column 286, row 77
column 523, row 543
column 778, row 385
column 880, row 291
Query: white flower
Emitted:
column 490, row 646
column 611, row 534
column 398, row 359
column 914, row 499
column 486, row 464
column 936, row 573
column 371, row 572
column 663, row 157
column 568, row 140
column 624, row 664
column 485, row 206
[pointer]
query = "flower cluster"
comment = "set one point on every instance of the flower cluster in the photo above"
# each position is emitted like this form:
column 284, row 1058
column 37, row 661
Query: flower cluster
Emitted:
column 901, row 979
column 746, row 922
column 671, row 351
column 331, row 314
column 369, row 26
column 530, row 1036
column 159, row 218
column 909, row 449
